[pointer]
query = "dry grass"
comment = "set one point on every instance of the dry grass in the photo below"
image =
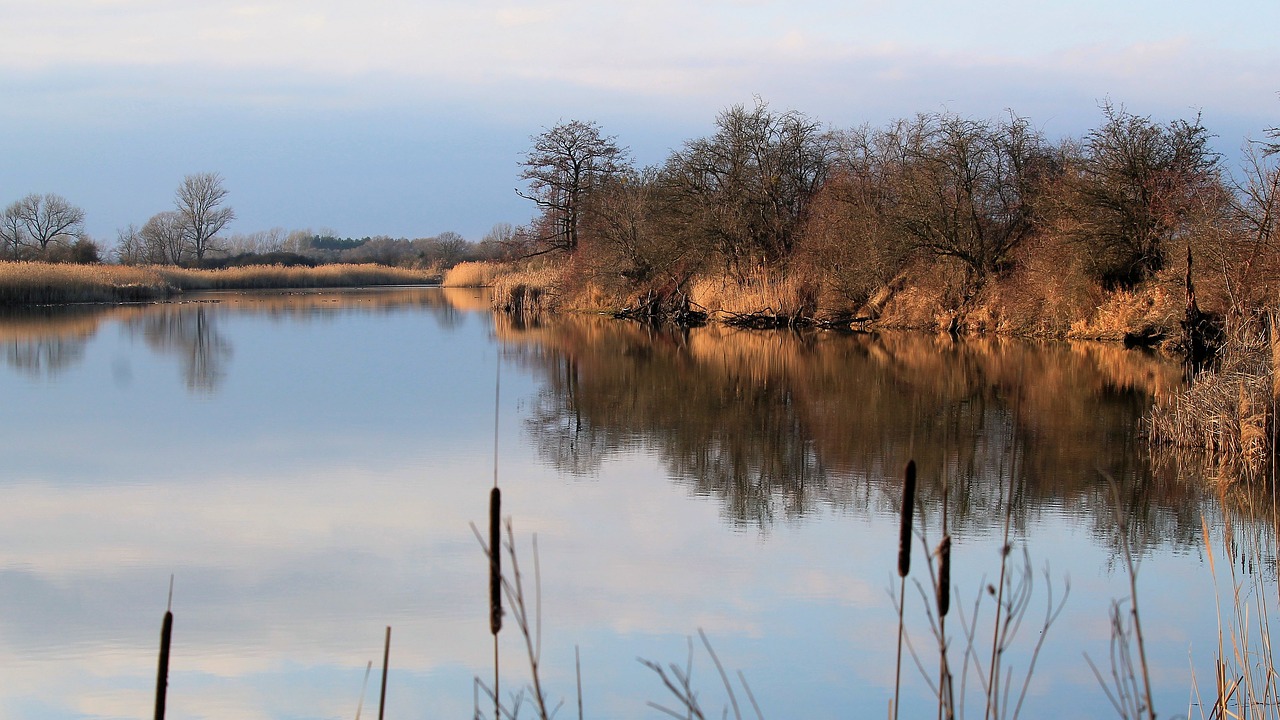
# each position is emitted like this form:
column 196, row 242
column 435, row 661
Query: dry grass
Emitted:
column 33, row 283
column 1155, row 306
column 528, row 290
column 256, row 277
column 1228, row 414
column 473, row 274
column 761, row 292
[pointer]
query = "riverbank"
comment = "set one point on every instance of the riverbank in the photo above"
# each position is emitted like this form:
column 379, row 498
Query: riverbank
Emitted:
column 37, row 283
column 1224, row 418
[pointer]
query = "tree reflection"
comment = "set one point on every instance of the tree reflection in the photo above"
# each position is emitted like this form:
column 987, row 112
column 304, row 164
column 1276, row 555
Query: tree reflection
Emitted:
column 778, row 425
column 31, row 349
column 188, row 332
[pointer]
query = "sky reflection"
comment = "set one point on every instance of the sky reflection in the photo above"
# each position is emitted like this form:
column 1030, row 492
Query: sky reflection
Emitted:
column 322, row 490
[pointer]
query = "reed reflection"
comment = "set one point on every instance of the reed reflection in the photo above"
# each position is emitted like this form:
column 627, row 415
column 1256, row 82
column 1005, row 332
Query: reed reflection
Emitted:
column 29, row 349
column 47, row 341
column 778, row 425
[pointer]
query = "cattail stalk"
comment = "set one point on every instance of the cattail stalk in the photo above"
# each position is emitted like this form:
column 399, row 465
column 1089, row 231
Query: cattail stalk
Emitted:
column 386, row 656
column 904, row 530
column 162, row 673
column 944, row 576
column 904, row 566
column 495, row 561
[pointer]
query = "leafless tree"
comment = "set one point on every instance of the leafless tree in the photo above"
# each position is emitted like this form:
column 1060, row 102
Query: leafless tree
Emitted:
column 968, row 189
column 199, row 200
column 12, row 234
column 747, row 188
column 164, row 238
column 567, row 163
column 1140, row 186
column 45, row 220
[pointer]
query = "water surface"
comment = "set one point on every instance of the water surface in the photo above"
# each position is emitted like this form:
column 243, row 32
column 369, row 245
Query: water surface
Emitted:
column 306, row 466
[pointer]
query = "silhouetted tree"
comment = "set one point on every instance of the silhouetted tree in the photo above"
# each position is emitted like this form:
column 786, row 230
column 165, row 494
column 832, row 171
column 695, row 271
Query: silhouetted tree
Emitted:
column 199, row 201
column 564, row 167
column 746, row 189
column 44, row 220
column 1136, row 189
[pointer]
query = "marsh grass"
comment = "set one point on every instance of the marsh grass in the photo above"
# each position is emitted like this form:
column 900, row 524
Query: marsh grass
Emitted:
column 35, row 283
column 1246, row 681
column 473, row 274
column 758, row 294
column 1228, row 414
column 529, row 291
column 262, row 277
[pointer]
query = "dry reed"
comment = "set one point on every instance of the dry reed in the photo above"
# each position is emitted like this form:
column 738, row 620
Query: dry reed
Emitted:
column 473, row 274
column 1227, row 415
column 35, row 283
column 529, row 290
column 758, row 293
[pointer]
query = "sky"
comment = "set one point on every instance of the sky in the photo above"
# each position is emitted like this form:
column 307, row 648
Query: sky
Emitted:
column 409, row 118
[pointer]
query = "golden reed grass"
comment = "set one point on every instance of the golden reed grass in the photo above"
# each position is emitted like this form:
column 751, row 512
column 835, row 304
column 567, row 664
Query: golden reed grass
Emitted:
column 758, row 292
column 35, row 283
column 473, row 274
column 529, row 290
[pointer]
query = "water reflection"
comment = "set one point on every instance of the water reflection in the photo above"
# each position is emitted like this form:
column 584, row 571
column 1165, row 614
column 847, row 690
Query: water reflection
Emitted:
column 780, row 425
column 30, row 347
column 45, row 342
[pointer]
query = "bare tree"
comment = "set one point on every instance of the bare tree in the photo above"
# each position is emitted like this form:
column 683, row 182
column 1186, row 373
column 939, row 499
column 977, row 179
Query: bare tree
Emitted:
column 164, row 238
column 1139, row 187
column 746, row 190
column 12, row 234
column 45, row 220
column 199, row 201
column 567, row 163
column 969, row 189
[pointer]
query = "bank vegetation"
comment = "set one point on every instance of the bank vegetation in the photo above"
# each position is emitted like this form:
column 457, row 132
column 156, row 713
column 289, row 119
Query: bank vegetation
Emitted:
column 1135, row 231
column 43, row 283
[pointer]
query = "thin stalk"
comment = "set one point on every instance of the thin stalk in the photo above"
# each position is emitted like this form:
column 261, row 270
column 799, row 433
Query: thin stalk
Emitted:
column 993, row 672
column 386, row 656
column 162, row 673
column 904, row 567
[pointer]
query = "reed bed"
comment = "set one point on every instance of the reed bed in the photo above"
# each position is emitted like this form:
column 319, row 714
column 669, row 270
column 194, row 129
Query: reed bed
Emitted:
column 473, row 274
column 757, row 294
column 1228, row 415
column 36, row 283
column 528, row 291
column 262, row 277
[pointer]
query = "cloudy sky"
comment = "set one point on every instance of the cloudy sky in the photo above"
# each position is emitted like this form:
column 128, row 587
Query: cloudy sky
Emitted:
column 409, row 118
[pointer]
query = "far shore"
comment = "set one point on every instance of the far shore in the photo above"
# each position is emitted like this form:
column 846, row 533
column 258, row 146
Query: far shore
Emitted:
column 39, row 283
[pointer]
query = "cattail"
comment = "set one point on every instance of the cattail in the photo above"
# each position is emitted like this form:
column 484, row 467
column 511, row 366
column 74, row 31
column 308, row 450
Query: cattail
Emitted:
column 908, row 505
column 495, row 561
column 162, row 674
column 944, row 576
column 386, row 658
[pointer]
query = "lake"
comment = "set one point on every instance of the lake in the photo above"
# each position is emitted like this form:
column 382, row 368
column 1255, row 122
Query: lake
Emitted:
column 307, row 467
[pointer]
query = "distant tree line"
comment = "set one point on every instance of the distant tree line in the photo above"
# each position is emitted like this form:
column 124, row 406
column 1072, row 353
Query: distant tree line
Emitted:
column 193, row 234
column 855, row 208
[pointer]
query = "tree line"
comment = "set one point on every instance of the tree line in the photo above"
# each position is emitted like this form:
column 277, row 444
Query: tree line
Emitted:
column 854, row 209
column 193, row 233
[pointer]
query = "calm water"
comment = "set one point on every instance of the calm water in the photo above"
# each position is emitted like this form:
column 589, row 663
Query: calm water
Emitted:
column 307, row 466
